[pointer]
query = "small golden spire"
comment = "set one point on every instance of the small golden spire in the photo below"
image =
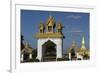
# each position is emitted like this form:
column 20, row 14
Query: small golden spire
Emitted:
column 59, row 28
column 41, row 27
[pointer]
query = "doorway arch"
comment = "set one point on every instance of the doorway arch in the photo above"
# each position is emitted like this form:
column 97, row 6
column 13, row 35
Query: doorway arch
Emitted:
column 49, row 51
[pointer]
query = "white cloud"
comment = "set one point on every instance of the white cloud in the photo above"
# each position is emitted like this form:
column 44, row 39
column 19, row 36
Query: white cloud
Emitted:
column 76, row 31
column 74, row 17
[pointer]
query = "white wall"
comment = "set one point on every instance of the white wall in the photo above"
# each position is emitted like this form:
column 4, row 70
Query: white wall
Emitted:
column 5, row 35
column 57, row 41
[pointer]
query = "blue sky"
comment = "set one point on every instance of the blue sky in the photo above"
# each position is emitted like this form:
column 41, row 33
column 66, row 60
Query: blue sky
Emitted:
column 75, row 24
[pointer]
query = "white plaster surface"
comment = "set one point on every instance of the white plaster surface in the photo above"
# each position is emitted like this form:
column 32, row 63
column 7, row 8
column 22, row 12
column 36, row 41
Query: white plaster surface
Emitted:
column 57, row 41
column 30, row 56
column 79, row 56
column 22, row 56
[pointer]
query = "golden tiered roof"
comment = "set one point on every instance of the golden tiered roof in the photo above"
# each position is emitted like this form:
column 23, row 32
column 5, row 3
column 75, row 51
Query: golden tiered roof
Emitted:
column 83, row 50
column 50, row 31
column 27, row 49
column 50, row 21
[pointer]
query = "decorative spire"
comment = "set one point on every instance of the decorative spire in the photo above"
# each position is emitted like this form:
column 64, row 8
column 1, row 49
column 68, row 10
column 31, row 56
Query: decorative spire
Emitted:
column 41, row 27
column 83, row 43
column 50, row 21
column 50, row 25
column 59, row 28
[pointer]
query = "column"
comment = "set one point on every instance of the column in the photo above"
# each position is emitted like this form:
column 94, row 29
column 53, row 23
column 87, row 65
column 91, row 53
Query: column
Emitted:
column 77, row 55
column 59, row 48
column 22, row 57
column 39, row 50
column 69, row 55
column 30, row 56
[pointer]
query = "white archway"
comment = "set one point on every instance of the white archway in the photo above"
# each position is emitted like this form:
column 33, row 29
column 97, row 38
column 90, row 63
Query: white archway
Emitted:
column 57, row 41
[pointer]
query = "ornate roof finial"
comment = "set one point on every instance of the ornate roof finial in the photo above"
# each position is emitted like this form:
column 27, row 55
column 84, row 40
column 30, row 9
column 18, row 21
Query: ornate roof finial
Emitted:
column 50, row 21
column 41, row 25
column 83, row 42
column 59, row 27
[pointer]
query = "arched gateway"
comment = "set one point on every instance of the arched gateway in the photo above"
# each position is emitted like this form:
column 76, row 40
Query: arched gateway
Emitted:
column 49, row 39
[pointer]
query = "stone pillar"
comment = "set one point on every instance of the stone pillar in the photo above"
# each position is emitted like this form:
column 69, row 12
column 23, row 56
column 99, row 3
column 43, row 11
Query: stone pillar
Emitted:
column 59, row 48
column 77, row 55
column 30, row 56
column 69, row 55
column 22, row 57
column 39, row 50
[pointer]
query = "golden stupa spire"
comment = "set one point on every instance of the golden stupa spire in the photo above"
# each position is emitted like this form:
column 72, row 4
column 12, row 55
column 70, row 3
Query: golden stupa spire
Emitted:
column 83, row 42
